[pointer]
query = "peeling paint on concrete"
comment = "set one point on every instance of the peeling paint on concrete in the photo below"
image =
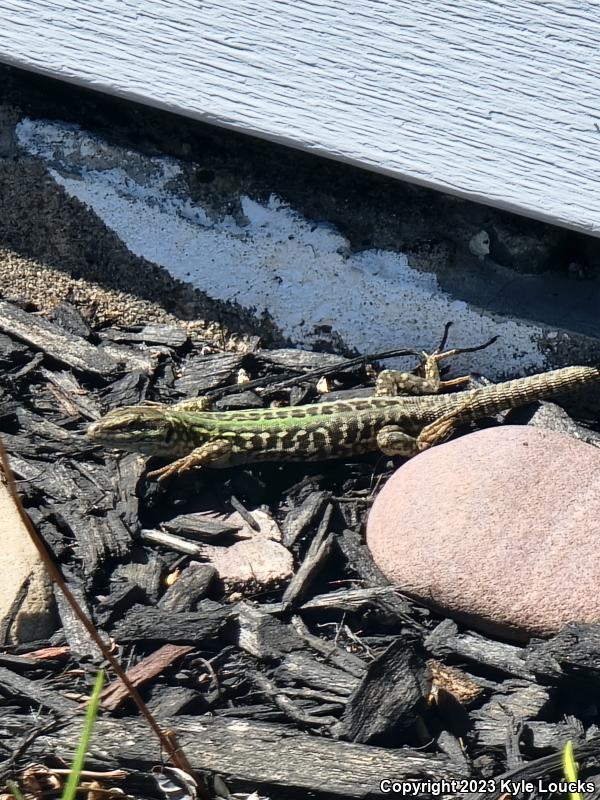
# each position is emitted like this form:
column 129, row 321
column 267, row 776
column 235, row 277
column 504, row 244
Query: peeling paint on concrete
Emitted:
column 273, row 260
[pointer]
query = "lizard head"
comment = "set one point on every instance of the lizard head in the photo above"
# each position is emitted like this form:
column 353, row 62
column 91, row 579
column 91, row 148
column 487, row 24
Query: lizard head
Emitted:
column 139, row 429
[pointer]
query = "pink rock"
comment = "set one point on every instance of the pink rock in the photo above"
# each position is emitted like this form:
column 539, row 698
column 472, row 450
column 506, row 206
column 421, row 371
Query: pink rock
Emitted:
column 499, row 529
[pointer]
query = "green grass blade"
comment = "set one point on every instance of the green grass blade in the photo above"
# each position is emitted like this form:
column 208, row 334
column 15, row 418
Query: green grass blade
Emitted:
column 90, row 717
column 570, row 769
column 14, row 790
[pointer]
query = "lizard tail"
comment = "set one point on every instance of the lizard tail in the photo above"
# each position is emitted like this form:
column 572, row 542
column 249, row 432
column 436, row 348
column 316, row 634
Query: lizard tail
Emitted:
column 521, row 391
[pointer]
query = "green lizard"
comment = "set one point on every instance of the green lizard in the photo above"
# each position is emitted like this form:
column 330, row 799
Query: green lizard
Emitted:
column 393, row 425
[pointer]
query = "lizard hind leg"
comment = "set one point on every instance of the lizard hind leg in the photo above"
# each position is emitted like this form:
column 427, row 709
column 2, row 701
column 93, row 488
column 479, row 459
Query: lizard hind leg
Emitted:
column 431, row 362
column 431, row 369
column 392, row 441
column 391, row 382
column 442, row 428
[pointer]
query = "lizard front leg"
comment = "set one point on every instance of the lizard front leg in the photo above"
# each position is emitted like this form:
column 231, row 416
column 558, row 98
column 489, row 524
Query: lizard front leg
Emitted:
column 209, row 453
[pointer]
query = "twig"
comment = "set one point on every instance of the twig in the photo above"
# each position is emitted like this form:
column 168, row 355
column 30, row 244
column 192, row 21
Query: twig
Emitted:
column 349, row 364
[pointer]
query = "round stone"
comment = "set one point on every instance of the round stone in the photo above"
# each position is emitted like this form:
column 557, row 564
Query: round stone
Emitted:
column 499, row 529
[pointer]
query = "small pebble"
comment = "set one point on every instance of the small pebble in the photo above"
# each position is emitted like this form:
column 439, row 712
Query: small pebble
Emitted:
column 499, row 529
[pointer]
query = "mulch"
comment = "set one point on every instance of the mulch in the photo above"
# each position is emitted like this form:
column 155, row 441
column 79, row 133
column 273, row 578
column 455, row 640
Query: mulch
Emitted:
column 323, row 683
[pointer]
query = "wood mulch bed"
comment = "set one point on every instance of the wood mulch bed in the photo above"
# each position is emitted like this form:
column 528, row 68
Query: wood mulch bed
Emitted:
column 319, row 683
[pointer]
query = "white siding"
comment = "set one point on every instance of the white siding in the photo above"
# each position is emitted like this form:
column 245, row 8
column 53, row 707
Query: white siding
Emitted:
column 494, row 101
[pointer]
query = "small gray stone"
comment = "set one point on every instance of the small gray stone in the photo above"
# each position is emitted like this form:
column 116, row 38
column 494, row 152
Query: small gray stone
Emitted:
column 554, row 418
column 500, row 529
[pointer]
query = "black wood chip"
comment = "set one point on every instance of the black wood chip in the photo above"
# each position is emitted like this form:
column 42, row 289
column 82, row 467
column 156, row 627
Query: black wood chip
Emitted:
column 390, row 698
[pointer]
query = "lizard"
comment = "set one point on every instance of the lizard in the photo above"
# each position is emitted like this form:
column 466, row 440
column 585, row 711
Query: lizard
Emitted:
column 389, row 422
